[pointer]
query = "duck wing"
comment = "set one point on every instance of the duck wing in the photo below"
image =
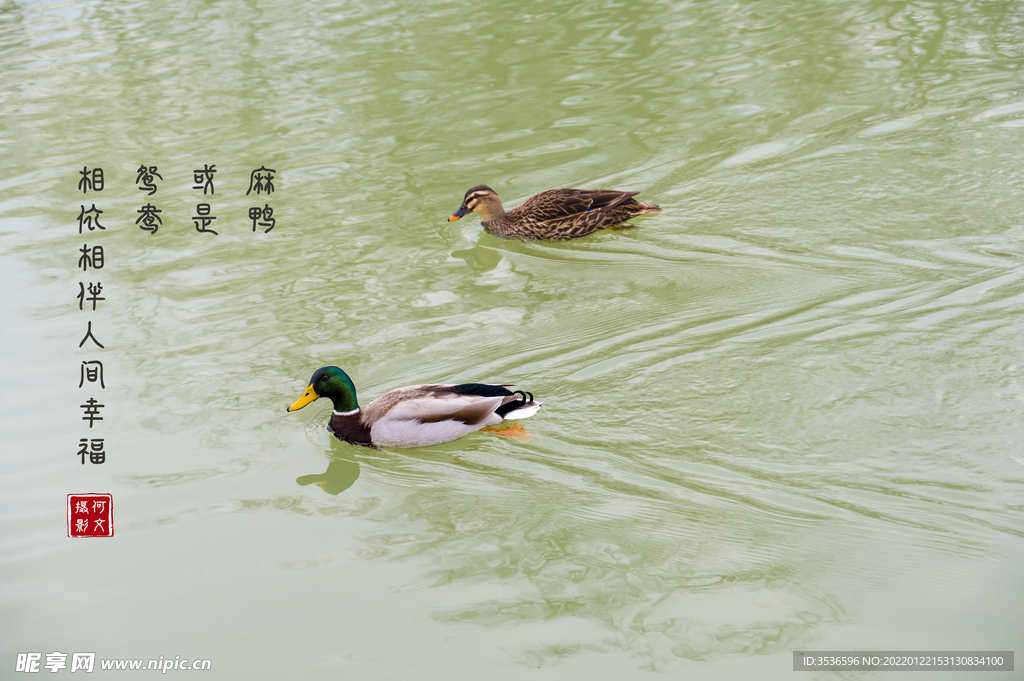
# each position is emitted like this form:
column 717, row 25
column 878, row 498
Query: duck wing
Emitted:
column 561, row 204
column 431, row 414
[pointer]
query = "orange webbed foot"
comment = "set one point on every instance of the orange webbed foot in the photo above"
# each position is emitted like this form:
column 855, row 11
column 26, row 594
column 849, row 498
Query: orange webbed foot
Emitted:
column 515, row 431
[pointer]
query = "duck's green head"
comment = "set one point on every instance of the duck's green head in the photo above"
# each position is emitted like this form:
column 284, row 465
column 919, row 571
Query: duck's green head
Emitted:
column 480, row 199
column 333, row 383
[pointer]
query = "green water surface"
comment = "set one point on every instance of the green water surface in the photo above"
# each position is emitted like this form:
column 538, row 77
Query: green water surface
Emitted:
column 783, row 414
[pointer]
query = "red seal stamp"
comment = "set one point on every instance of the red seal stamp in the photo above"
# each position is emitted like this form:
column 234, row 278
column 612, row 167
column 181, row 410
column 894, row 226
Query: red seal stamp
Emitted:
column 90, row 515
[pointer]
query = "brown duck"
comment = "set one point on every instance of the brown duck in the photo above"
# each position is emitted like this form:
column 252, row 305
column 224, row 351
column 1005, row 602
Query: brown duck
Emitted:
column 554, row 214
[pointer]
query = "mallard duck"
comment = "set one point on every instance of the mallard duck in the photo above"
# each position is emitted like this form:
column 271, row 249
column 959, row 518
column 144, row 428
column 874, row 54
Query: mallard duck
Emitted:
column 416, row 416
column 554, row 214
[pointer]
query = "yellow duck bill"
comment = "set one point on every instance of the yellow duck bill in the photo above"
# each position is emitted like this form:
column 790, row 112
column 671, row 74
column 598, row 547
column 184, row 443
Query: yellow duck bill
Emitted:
column 306, row 398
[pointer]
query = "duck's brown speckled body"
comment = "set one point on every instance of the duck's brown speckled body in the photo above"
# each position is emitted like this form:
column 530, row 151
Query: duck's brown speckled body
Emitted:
column 554, row 214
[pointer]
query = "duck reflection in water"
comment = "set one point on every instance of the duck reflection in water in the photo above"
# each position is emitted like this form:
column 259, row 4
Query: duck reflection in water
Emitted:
column 339, row 476
column 479, row 258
